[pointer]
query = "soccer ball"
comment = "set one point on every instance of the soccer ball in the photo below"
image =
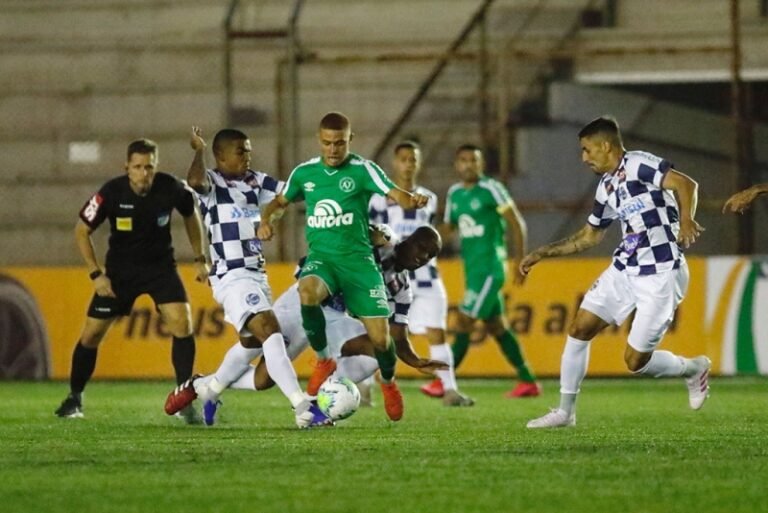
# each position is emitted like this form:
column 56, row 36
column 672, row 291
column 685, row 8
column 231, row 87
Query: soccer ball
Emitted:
column 338, row 398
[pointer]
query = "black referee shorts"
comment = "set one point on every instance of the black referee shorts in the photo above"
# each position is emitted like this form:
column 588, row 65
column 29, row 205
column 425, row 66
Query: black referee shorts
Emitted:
column 163, row 285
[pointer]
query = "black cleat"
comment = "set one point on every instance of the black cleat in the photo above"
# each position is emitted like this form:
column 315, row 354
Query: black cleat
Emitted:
column 71, row 407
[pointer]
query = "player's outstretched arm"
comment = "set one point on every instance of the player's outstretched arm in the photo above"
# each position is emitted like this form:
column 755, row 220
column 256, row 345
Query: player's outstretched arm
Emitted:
column 687, row 193
column 742, row 200
column 197, row 178
column 408, row 356
column 582, row 240
column 408, row 200
column 271, row 213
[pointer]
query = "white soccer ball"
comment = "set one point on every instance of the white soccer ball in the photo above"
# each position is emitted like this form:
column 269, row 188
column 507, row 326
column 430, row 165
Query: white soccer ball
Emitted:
column 338, row 398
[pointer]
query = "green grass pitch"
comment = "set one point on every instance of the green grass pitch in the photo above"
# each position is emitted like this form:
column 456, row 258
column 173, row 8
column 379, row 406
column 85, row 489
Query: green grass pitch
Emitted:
column 636, row 448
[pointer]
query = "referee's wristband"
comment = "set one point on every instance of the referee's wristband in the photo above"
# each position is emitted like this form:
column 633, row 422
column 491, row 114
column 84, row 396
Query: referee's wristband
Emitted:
column 200, row 259
column 95, row 274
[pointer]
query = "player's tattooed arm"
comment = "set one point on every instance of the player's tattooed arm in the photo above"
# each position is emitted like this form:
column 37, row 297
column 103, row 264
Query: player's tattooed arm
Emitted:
column 582, row 240
column 197, row 177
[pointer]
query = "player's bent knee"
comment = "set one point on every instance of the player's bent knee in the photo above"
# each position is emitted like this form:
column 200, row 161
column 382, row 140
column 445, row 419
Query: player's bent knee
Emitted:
column 263, row 325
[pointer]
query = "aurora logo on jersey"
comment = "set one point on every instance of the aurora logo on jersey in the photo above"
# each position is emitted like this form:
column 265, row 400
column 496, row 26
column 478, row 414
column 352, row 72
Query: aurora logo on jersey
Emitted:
column 468, row 229
column 328, row 214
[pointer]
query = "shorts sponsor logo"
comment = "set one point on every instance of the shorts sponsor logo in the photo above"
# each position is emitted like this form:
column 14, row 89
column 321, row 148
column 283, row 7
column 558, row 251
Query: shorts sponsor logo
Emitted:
column 328, row 214
column 252, row 299
column 124, row 224
column 347, row 184
column 103, row 309
column 163, row 219
column 378, row 293
column 468, row 229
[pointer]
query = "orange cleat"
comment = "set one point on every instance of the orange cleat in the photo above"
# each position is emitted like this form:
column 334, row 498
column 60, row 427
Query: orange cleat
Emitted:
column 524, row 389
column 433, row 389
column 323, row 369
column 393, row 400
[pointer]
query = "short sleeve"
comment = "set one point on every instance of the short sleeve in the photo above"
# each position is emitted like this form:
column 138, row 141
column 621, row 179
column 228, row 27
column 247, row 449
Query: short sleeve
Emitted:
column 97, row 208
column 379, row 182
column 602, row 214
column 292, row 189
column 448, row 215
column 270, row 187
column 184, row 198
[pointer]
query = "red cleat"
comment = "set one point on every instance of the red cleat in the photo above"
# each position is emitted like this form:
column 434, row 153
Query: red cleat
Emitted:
column 433, row 388
column 181, row 396
column 524, row 389
column 393, row 400
column 323, row 369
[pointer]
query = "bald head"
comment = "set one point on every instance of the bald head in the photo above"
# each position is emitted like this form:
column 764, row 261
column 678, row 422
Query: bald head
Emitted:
column 419, row 248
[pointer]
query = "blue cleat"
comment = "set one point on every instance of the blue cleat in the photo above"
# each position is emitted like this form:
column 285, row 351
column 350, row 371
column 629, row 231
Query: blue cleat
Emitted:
column 209, row 411
column 313, row 417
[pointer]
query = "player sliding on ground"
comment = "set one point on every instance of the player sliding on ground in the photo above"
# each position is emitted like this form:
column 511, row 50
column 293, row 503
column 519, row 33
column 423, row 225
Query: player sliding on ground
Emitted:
column 648, row 275
column 348, row 342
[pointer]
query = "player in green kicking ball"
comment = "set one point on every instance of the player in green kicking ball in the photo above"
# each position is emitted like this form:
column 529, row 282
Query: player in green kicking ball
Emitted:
column 336, row 187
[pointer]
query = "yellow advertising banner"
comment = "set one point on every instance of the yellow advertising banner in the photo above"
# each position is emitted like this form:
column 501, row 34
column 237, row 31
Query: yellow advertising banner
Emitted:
column 138, row 346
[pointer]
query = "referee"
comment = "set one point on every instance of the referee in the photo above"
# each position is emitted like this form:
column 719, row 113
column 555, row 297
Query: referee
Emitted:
column 139, row 261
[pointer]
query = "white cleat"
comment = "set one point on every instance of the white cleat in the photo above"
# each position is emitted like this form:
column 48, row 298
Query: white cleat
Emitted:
column 698, row 383
column 554, row 419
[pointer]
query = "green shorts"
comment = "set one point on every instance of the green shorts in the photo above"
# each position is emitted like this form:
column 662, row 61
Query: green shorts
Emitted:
column 482, row 296
column 358, row 278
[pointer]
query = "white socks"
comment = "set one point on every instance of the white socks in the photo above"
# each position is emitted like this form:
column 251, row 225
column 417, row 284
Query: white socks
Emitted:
column 245, row 382
column 573, row 368
column 281, row 370
column 235, row 363
column 664, row 364
column 357, row 367
column 443, row 353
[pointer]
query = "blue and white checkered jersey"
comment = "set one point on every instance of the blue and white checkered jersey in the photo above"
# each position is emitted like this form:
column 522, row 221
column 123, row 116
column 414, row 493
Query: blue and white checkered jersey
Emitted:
column 382, row 210
column 649, row 215
column 231, row 211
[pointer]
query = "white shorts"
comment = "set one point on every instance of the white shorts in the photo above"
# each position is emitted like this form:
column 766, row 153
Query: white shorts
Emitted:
column 339, row 327
column 428, row 309
column 616, row 294
column 242, row 293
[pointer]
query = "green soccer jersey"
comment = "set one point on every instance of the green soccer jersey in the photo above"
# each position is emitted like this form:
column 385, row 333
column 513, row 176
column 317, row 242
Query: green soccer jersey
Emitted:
column 482, row 229
column 337, row 203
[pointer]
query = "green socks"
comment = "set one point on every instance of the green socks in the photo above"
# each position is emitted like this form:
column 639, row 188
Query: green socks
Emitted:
column 511, row 350
column 313, row 321
column 387, row 360
column 459, row 348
